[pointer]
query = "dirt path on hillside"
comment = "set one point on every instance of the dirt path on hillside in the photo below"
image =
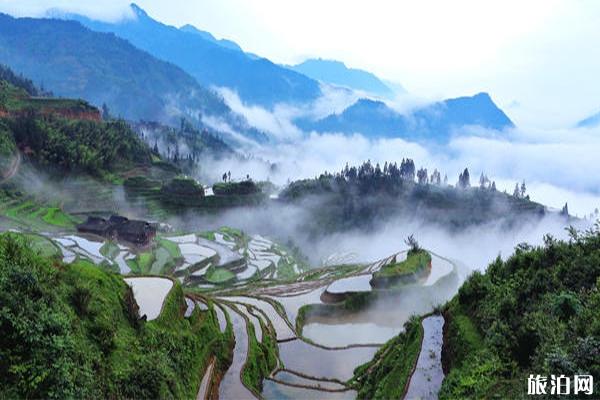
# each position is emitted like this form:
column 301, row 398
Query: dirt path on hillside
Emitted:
column 12, row 169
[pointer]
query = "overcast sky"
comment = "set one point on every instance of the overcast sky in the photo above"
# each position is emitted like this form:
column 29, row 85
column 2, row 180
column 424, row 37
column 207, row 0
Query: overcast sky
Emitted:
column 538, row 59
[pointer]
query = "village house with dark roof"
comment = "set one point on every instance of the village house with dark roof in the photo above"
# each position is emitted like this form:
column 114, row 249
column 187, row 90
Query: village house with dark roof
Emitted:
column 121, row 228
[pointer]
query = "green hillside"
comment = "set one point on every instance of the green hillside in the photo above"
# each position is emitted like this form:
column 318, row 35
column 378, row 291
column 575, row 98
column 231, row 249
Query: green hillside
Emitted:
column 16, row 100
column 65, row 134
column 72, row 331
column 535, row 313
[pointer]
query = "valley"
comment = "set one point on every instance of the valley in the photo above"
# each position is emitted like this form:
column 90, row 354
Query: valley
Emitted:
column 183, row 218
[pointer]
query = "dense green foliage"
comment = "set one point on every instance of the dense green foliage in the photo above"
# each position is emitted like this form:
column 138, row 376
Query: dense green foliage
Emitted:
column 183, row 186
column 388, row 374
column 78, row 145
column 535, row 313
column 72, row 331
column 7, row 147
column 65, row 134
column 262, row 358
column 6, row 74
column 16, row 98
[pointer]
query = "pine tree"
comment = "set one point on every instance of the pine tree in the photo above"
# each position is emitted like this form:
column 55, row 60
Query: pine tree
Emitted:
column 105, row 112
column 464, row 179
column 517, row 191
column 422, row 176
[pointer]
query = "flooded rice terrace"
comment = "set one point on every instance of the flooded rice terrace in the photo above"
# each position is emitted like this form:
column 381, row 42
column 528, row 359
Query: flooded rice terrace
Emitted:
column 325, row 321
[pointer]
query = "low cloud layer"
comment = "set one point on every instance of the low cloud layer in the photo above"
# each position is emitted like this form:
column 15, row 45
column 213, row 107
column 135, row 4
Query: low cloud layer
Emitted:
column 558, row 166
column 107, row 10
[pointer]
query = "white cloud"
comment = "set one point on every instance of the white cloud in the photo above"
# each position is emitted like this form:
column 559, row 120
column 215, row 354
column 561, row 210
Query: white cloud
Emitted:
column 558, row 165
column 106, row 10
column 540, row 55
column 277, row 123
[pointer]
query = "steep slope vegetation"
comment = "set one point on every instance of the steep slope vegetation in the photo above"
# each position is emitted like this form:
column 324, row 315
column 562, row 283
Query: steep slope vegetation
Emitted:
column 66, row 134
column 535, row 313
column 73, row 331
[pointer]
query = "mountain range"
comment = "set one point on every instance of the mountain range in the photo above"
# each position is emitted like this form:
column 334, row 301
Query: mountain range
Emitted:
column 145, row 70
column 73, row 61
column 336, row 72
column 433, row 123
column 590, row 121
column 211, row 62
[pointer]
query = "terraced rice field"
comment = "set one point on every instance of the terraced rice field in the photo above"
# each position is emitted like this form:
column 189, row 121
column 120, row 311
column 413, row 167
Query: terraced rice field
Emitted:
column 259, row 287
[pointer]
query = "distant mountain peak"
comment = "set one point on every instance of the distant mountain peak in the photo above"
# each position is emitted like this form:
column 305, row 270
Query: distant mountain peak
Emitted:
column 589, row 122
column 436, row 122
column 139, row 11
column 337, row 73
column 212, row 62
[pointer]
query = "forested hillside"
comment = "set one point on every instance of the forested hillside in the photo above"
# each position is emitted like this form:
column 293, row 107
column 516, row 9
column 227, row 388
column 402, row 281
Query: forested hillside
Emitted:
column 360, row 197
column 535, row 313
column 65, row 134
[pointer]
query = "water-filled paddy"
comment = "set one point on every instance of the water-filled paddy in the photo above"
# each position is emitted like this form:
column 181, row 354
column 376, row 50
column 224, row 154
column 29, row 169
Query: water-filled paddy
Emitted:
column 355, row 284
column 383, row 318
column 426, row 381
column 347, row 334
column 150, row 294
column 282, row 329
column 292, row 304
column 231, row 386
column 321, row 363
column 277, row 391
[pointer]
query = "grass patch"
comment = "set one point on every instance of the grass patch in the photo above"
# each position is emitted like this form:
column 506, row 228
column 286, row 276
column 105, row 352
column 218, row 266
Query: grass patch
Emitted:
column 232, row 232
column 285, row 270
column 162, row 261
column 39, row 244
column 56, row 216
column 171, row 247
column 219, row 275
column 110, row 250
column 208, row 236
column 413, row 264
column 142, row 263
column 388, row 374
